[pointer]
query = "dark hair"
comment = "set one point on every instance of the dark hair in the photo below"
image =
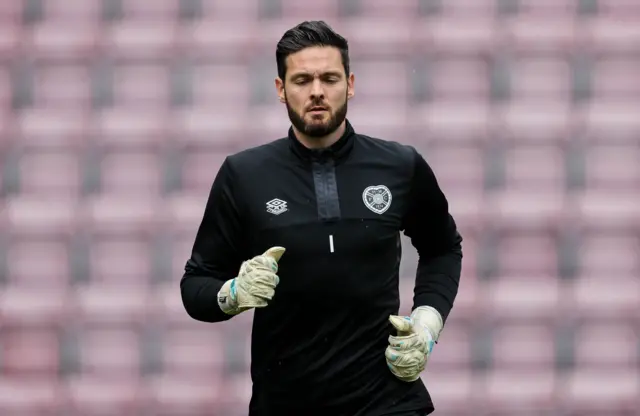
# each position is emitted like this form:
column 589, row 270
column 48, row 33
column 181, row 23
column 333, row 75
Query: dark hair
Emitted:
column 307, row 34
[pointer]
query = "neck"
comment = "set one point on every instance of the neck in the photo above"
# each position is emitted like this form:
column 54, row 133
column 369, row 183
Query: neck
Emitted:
column 320, row 142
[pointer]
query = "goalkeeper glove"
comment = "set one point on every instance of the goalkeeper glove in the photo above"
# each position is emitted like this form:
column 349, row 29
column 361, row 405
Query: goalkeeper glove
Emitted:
column 409, row 351
column 255, row 285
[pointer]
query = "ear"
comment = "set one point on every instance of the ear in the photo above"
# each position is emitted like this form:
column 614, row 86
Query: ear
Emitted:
column 280, row 89
column 351, row 86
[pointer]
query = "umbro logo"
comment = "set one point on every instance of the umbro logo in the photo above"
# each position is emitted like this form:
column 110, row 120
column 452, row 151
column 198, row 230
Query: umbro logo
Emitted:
column 277, row 206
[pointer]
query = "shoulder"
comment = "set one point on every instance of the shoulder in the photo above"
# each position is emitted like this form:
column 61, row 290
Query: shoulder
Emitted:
column 389, row 150
column 256, row 157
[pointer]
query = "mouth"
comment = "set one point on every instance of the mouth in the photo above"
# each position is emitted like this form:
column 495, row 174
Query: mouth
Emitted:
column 317, row 110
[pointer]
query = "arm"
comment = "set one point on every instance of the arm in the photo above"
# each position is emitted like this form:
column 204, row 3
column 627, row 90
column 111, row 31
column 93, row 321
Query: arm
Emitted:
column 434, row 234
column 217, row 252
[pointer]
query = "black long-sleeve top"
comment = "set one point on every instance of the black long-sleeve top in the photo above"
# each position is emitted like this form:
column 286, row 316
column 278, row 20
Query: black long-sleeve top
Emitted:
column 318, row 347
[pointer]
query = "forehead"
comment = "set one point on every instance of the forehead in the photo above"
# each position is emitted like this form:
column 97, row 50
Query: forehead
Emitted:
column 314, row 59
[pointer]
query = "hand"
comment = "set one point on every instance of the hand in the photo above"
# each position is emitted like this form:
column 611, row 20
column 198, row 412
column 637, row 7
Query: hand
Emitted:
column 255, row 285
column 408, row 352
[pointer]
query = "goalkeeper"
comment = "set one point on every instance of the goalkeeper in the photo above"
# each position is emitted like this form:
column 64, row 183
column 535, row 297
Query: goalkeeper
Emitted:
column 305, row 231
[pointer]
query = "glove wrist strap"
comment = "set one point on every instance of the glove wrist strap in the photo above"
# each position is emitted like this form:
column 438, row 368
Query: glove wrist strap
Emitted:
column 429, row 319
column 227, row 298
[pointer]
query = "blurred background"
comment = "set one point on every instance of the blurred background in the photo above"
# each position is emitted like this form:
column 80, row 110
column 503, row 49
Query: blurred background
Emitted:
column 116, row 114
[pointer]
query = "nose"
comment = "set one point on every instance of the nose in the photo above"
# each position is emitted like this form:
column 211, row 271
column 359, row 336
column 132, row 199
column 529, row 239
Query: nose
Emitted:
column 316, row 90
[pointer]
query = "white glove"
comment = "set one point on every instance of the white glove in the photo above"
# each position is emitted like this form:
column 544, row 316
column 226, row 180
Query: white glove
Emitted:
column 409, row 351
column 255, row 285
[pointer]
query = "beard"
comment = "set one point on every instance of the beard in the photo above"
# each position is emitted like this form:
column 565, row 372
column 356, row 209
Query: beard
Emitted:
column 318, row 129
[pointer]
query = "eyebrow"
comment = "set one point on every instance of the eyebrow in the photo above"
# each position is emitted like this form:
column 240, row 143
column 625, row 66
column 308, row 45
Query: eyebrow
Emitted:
column 322, row 74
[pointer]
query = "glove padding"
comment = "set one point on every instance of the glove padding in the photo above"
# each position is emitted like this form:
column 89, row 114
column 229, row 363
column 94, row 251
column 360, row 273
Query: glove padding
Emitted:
column 408, row 352
column 255, row 285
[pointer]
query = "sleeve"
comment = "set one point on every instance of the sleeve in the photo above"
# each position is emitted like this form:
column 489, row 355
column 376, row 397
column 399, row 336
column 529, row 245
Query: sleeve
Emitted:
column 434, row 234
column 217, row 251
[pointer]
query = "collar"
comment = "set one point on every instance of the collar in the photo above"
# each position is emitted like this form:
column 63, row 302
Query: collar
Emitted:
column 335, row 152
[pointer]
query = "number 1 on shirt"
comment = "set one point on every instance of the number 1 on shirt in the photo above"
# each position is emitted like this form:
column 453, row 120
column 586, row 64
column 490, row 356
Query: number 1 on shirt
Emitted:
column 331, row 243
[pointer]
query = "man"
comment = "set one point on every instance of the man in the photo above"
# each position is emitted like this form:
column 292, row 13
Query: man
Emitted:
column 305, row 229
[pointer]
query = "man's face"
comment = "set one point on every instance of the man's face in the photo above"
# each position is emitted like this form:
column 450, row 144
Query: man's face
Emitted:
column 316, row 90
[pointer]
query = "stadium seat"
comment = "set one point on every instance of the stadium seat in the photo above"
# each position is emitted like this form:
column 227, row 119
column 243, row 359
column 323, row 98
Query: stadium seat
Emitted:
column 468, row 209
column 607, row 210
column 142, row 86
column 59, row 41
column 111, row 305
column 218, row 40
column 317, row 10
column 130, row 127
column 11, row 35
column 468, row 8
column 523, row 347
column 11, row 11
column 40, row 396
column 156, row 11
column 6, row 89
column 534, row 121
column 212, row 84
column 237, row 392
column 391, row 39
column 80, row 11
column 521, row 254
column 523, row 168
column 378, row 120
column 37, row 307
column 369, row 87
column 199, row 169
column 618, row 8
column 109, row 353
column 523, row 210
column 186, row 210
column 388, row 9
column 459, row 79
column 611, row 35
column 51, row 173
column 244, row 12
column 609, row 254
column 606, row 347
column 193, row 352
column 590, row 392
column 29, row 353
column 612, row 167
column 175, row 395
column 131, row 173
column 543, row 35
column 459, row 167
column 546, row 8
column 140, row 40
column 456, row 35
column 121, row 214
column 121, row 260
column 451, row 121
column 51, row 127
column 62, row 86
column 510, row 391
column 453, row 352
column 453, row 392
column 615, row 78
column 40, row 217
column 610, row 121
column 38, row 263
column 219, row 126
column 92, row 395
column 598, row 298
column 547, row 79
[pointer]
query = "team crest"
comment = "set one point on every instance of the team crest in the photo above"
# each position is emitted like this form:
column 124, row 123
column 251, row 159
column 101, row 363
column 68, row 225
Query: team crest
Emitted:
column 377, row 198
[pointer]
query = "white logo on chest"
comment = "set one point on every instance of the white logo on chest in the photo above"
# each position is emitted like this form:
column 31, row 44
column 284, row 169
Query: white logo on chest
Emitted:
column 377, row 198
column 277, row 206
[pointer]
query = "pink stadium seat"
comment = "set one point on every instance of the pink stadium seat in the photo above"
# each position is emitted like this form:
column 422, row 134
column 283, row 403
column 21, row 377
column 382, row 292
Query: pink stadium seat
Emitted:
column 616, row 78
column 469, row 305
column 140, row 40
column 51, row 127
column 388, row 8
column 192, row 352
column 65, row 86
column 520, row 210
column 527, row 254
column 612, row 35
column 231, row 10
column 218, row 40
column 606, row 347
column 541, row 34
column 120, row 305
column 456, row 35
column 523, row 347
column 546, row 8
column 219, row 126
column 459, row 78
column 317, row 10
column 30, row 353
column 131, row 126
column 161, row 10
column 199, row 169
column 596, row 391
column 518, row 299
column 11, row 11
column 613, row 167
column 468, row 209
column 607, row 210
column 453, row 351
column 168, row 309
column 5, row 90
column 213, row 84
column 24, row 307
column 57, row 40
column 378, row 120
column 55, row 174
column 143, row 85
column 609, row 254
column 370, row 73
column 513, row 391
column 33, row 397
column 453, row 392
column 541, row 79
column 611, row 120
column 38, row 263
column 457, row 167
column 109, row 353
column 270, row 123
column 452, row 121
column 534, row 121
column 121, row 214
column 90, row 395
column 72, row 12
column 598, row 298
column 174, row 395
column 11, row 35
column 39, row 217
column 391, row 37
column 618, row 8
column 186, row 210
column 237, row 391
column 121, row 261
column 522, row 168
column 131, row 173
column 470, row 8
